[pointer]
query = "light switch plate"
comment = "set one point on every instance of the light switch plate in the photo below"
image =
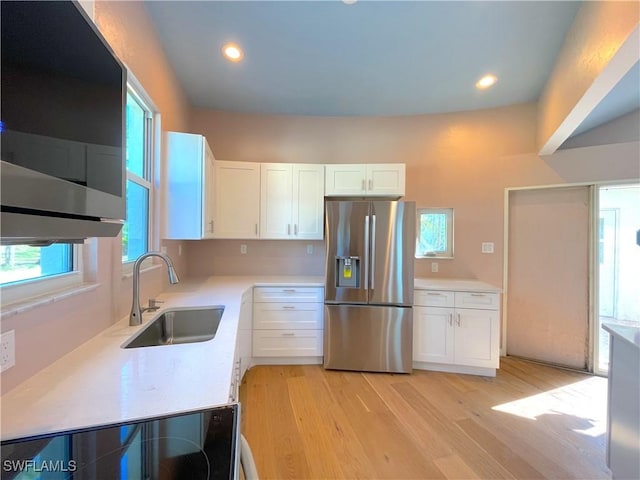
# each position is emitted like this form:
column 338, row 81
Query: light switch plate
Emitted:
column 309, row 249
column 434, row 267
column 487, row 247
column 8, row 349
column 243, row 249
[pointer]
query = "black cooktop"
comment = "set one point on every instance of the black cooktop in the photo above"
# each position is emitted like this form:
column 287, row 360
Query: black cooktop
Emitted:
column 195, row 445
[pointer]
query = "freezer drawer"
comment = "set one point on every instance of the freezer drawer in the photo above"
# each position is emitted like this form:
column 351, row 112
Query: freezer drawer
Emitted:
column 368, row 338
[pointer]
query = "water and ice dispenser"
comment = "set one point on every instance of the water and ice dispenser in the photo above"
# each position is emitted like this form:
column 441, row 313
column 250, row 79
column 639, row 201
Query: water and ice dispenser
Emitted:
column 348, row 272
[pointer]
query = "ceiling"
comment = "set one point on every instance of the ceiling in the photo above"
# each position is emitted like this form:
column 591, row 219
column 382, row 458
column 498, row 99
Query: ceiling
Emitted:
column 366, row 58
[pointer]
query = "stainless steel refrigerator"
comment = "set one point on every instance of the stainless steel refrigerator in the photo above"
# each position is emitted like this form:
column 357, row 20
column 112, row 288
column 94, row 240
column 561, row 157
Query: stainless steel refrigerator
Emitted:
column 369, row 285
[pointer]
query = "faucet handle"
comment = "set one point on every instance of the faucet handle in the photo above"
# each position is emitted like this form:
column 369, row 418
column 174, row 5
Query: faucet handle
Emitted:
column 153, row 305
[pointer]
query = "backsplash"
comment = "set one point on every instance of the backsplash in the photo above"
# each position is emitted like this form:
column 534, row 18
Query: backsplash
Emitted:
column 263, row 257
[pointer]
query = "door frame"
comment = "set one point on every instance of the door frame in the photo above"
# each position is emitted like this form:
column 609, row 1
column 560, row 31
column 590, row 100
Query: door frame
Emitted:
column 593, row 280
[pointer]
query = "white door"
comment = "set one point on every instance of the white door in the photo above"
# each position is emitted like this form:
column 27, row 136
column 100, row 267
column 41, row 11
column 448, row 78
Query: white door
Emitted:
column 308, row 202
column 276, row 200
column 548, row 275
column 237, row 199
column 433, row 334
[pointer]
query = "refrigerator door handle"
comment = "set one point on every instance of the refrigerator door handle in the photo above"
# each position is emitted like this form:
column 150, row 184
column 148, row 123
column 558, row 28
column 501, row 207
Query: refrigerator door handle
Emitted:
column 373, row 250
column 366, row 252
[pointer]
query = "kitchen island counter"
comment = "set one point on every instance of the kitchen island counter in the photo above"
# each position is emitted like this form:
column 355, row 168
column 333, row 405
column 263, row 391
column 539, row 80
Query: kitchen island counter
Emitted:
column 99, row 382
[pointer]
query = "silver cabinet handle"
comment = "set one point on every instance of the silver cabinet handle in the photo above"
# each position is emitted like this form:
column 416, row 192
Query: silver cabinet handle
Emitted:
column 370, row 184
column 288, row 334
column 373, row 250
column 295, row 229
column 458, row 321
column 288, row 229
column 211, row 226
column 478, row 295
column 289, row 290
column 451, row 319
column 256, row 229
column 434, row 294
column 363, row 185
column 366, row 252
column 288, row 307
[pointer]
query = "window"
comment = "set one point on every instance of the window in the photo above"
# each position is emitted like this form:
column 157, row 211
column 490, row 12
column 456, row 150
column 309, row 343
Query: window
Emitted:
column 434, row 233
column 27, row 271
column 139, row 140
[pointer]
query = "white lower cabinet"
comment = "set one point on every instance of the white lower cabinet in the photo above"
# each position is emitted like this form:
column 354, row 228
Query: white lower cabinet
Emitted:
column 287, row 325
column 456, row 331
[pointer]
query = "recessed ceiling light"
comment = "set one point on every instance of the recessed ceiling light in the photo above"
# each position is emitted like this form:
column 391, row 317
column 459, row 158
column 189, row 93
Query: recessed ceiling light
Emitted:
column 232, row 52
column 486, row 81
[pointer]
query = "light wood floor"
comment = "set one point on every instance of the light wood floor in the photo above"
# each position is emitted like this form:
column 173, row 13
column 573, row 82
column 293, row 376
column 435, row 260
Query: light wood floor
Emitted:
column 531, row 421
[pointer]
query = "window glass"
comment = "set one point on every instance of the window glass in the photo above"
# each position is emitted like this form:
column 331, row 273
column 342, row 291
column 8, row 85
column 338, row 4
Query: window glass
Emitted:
column 135, row 231
column 139, row 129
column 135, row 136
column 434, row 232
column 23, row 262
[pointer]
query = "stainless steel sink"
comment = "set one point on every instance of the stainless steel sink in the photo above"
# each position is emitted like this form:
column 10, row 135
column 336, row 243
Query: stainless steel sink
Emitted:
column 180, row 325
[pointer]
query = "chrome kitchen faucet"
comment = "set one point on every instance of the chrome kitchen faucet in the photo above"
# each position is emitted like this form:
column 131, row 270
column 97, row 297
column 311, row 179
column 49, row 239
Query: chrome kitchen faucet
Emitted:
column 135, row 317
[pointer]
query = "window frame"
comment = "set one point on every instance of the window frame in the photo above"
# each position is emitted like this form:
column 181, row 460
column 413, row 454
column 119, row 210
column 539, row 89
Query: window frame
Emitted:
column 449, row 212
column 151, row 158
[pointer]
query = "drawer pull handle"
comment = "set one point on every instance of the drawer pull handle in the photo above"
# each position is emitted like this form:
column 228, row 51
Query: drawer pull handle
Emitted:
column 451, row 319
column 434, row 294
column 288, row 334
column 478, row 295
column 288, row 307
column 289, row 290
column 458, row 322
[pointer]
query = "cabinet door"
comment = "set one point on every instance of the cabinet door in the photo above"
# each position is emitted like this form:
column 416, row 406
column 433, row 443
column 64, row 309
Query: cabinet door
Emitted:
column 209, row 198
column 237, row 199
column 276, row 181
column 386, row 179
column 433, row 334
column 185, row 186
column 345, row 180
column 476, row 337
column 308, row 202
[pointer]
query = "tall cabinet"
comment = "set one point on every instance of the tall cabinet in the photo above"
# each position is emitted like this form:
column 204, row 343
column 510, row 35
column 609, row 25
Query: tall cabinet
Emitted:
column 190, row 203
column 291, row 201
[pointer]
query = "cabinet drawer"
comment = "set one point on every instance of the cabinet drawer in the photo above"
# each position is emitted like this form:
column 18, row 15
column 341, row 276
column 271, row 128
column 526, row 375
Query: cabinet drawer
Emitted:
column 288, row 294
column 484, row 301
column 433, row 298
column 287, row 343
column 307, row 316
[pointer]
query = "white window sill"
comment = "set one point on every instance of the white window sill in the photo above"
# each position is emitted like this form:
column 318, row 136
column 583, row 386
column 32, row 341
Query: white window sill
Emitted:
column 430, row 257
column 30, row 303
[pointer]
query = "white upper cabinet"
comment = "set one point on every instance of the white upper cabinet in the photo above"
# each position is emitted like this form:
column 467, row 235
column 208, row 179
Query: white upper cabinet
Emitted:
column 237, row 199
column 190, row 181
column 358, row 180
column 292, row 201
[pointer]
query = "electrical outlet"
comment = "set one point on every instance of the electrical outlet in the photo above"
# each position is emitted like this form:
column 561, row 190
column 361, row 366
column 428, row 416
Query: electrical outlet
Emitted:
column 243, row 249
column 434, row 267
column 487, row 247
column 309, row 249
column 8, row 349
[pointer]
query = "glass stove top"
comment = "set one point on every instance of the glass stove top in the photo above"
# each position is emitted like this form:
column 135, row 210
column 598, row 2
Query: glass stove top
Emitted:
column 190, row 446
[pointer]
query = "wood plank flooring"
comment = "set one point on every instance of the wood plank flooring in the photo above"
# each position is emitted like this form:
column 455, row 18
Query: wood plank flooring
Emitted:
column 531, row 421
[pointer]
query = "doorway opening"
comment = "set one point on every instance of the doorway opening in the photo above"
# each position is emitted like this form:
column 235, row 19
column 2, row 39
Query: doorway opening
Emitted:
column 618, row 264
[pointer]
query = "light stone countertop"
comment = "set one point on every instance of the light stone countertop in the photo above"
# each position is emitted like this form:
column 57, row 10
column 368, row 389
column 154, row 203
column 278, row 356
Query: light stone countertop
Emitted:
column 99, row 382
column 460, row 285
column 626, row 333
